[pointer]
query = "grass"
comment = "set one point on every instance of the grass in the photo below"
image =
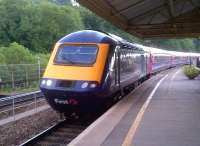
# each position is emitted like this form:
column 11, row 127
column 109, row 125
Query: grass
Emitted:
column 34, row 86
column 18, row 91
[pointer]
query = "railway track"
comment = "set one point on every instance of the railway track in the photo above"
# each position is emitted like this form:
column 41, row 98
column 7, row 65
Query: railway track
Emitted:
column 2, row 96
column 59, row 134
column 65, row 131
column 16, row 99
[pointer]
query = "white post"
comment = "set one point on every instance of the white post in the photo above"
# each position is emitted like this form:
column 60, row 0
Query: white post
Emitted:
column 13, row 108
column 39, row 69
column 26, row 84
column 13, row 82
column 35, row 102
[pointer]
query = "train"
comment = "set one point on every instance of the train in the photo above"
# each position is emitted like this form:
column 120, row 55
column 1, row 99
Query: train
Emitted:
column 87, row 67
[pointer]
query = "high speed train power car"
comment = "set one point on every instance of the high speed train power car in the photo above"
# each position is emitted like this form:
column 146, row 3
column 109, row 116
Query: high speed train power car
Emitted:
column 89, row 66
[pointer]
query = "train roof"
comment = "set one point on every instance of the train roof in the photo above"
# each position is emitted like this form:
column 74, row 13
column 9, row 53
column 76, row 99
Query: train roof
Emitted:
column 89, row 36
column 153, row 50
column 194, row 54
column 92, row 36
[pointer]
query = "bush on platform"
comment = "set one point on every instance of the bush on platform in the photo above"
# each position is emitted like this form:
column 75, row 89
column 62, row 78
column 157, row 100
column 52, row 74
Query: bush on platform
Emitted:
column 191, row 71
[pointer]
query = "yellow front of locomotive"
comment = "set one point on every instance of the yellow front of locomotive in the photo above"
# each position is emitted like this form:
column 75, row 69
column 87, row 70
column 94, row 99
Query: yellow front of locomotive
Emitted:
column 77, row 62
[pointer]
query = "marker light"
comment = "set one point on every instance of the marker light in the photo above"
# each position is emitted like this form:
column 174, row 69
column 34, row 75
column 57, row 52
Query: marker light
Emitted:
column 49, row 82
column 93, row 85
column 84, row 85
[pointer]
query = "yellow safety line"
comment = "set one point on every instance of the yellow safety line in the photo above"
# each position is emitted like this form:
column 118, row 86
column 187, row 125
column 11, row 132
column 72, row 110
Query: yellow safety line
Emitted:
column 131, row 133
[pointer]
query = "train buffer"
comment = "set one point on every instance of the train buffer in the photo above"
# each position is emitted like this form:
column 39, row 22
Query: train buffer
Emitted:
column 163, row 111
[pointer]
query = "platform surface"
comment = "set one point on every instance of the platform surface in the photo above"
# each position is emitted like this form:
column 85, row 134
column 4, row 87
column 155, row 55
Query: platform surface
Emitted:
column 172, row 117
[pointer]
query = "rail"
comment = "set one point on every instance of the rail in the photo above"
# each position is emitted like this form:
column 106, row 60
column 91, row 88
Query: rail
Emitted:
column 6, row 101
column 41, row 134
column 61, row 133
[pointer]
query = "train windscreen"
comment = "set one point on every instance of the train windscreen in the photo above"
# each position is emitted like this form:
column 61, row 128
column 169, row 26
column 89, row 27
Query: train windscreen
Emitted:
column 76, row 55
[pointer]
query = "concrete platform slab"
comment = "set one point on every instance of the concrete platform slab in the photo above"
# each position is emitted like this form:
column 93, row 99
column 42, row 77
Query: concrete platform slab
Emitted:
column 172, row 118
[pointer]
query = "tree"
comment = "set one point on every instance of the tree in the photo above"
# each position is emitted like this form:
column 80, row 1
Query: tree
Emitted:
column 36, row 25
column 2, row 59
column 197, row 44
column 91, row 21
column 186, row 45
column 16, row 54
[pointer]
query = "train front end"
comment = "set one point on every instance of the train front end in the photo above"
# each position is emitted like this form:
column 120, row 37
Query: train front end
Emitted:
column 73, row 78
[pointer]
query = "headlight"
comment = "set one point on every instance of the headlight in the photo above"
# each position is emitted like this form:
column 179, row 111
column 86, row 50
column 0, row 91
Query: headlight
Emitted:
column 84, row 85
column 49, row 82
column 43, row 82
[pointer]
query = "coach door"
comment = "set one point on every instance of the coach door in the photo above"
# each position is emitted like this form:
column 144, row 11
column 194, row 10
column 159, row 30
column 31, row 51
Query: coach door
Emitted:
column 143, row 65
column 198, row 61
column 117, row 67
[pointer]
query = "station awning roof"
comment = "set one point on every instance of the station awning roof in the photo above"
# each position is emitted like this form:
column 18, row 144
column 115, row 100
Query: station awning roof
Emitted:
column 150, row 18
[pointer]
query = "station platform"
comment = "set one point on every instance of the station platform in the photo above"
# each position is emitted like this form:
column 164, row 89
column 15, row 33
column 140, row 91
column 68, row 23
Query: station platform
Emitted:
column 163, row 111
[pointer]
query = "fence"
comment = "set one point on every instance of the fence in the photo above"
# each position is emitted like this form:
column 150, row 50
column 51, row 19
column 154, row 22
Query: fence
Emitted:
column 10, row 106
column 20, row 75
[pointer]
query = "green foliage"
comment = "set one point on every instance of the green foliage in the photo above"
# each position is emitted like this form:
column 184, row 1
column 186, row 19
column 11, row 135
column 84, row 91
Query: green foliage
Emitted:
column 36, row 25
column 15, row 76
column 91, row 21
column 16, row 54
column 44, row 58
column 191, row 72
column 186, row 45
column 2, row 59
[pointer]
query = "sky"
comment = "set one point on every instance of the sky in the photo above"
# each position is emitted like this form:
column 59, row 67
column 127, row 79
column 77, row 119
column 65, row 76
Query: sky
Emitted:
column 74, row 3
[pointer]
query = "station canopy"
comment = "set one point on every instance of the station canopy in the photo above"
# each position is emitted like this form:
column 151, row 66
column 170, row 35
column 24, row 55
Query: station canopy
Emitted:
column 150, row 18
